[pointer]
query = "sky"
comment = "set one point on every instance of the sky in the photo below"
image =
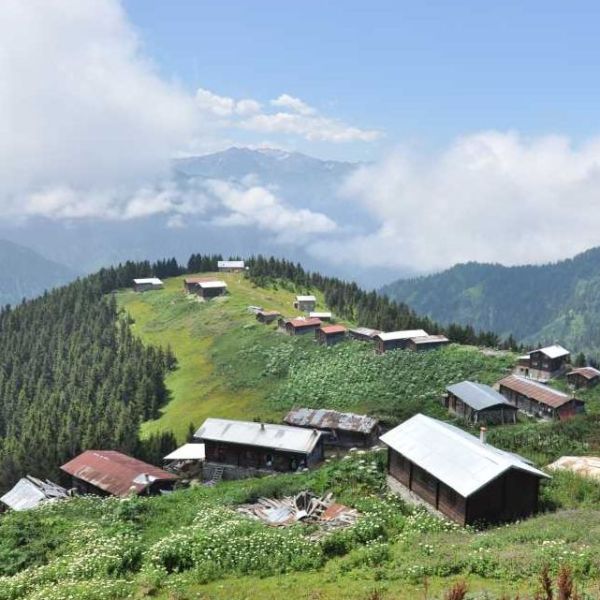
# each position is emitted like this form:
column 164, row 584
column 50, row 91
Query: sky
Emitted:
column 476, row 123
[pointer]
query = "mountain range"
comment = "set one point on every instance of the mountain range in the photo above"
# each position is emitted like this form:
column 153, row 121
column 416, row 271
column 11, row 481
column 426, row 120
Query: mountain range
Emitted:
column 558, row 302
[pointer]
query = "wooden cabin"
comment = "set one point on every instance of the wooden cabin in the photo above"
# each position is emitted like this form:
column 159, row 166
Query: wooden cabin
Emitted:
column 479, row 403
column 543, row 364
column 298, row 326
column 339, row 429
column 538, row 400
column 231, row 266
column 328, row 335
column 190, row 284
column 111, row 473
column 147, row 284
column 427, row 342
column 251, row 446
column 583, row 377
column 364, row 334
column 267, row 316
column 396, row 340
column 211, row 289
column 305, row 303
column 459, row 474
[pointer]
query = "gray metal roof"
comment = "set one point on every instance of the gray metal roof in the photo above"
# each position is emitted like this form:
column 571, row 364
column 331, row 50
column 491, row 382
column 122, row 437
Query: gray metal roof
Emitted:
column 212, row 284
column 366, row 331
column 231, row 264
column 265, row 435
column 402, row 335
column 187, row 452
column 29, row 492
column 148, row 281
column 478, row 395
column 456, row 458
column 554, row 351
column 330, row 419
column 306, row 299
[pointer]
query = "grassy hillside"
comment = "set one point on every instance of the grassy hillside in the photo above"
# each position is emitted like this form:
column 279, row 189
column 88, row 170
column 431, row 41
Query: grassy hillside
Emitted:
column 554, row 302
column 232, row 366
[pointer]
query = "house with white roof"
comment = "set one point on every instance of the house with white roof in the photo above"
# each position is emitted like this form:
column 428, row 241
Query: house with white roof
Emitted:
column 459, row 474
column 231, row 266
column 248, row 447
column 394, row 340
column 543, row 364
column 211, row 289
column 145, row 284
column 305, row 303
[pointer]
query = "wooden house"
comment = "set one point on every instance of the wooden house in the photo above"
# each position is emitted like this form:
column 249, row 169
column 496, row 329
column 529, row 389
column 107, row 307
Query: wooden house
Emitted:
column 539, row 400
column 305, row 303
column 459, row 474
column 111, row 473
column 328, row 335
column 396, row 340
column 190, row 284
column 479, row 403
column 583, row 377
column 30, row 492
column 364, row 334
column 147, row 284
column 427, row 342
column 267, row 316
column 338, row 429
column 211, row 289
column 231, row 266
column 543, row 364
column 298, row 326
column 254, row 447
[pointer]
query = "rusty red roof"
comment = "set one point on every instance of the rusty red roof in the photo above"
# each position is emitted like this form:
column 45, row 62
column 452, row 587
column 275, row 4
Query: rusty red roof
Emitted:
column 330, row 329
column 537, row 391
column 587, row 372
column 114, row 472
column 300, row 322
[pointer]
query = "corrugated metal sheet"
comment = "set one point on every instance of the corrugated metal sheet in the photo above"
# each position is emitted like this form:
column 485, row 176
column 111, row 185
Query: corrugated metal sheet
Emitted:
column 148, row 281
column 365, row 331
column 478, row 395
column 30, row 492
column 402, row 335
column 320, row 315
column 264, row 435
column 330, row 419
column 554, row 351
column 587, row 372
column 588, row 466
column 537, row 391
column 430, row 339
column 194, row 280
column 302, row 322
column 115, row 473
column 331, row 329
column 187, row 452
column 212, row 284
column 451, row 455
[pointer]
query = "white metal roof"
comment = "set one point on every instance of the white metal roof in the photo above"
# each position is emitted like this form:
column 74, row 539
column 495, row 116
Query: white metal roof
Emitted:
column 401, row 335
column 367, row 331
column 456, row 458
column 265, row 435
column 187, row 452
column 231, row 264
column 319, row 315
column 212, row 284
column 478, row 395
column 28, row 492
column 305, row 299
column 554, row 351
column 148, row 280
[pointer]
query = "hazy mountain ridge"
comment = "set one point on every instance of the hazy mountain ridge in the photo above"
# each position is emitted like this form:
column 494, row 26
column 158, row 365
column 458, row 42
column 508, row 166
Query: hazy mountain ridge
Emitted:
column 546, row 303
column 26, row 274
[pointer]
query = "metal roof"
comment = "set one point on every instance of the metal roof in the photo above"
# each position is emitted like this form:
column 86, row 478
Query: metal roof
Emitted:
column 587, row 372
column 115, row 473
column 402, row 335
column 478, row 395
column 554, row 351
column 329, row 329
column 430, row 339
column 303, row 322
column 456, row 458
column 187, row 452
column 366, row 331
column 264, row 435
column 306, row 299
column 330, row 419
column 588, row 466
column 537, row 391
column 148, row 280
column 212, row 284
column 320, row 315
column 29, row 492
column 197, row 279
column 231, row 264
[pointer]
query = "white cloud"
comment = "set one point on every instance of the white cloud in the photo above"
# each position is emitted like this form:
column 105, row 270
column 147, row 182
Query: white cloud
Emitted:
column 491, row 196
column 295, row 117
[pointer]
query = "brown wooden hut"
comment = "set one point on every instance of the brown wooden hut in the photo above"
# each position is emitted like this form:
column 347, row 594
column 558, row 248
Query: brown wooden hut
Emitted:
column 543, row 364
column 299, row 325
column 460, row 475
column 583, row 377
column 211, row 289
column 427, row 342
column 479, row 403
column 396, row 340
column 328, row 335
column 267, row 316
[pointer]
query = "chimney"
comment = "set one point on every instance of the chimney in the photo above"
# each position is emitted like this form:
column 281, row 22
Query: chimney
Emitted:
column 262, row 426
column 483, row 435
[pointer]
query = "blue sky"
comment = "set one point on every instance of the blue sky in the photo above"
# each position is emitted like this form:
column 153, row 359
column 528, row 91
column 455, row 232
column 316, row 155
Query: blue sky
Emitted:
column 421, row 72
